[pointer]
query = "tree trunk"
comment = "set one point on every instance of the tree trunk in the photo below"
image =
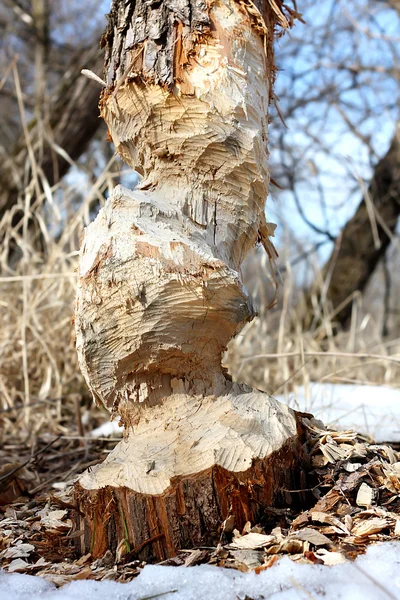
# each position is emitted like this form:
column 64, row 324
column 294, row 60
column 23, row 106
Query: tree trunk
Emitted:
column 366, row 237
column 160, row 295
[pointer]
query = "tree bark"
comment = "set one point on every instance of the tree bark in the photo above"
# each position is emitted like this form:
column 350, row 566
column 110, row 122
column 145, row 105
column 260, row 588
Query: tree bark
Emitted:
column 160, row 295
column 366, row 237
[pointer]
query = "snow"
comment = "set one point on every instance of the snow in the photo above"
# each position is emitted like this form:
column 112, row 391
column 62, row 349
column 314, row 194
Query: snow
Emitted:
column 107, row 429
column 369, row 409
column 375, row 576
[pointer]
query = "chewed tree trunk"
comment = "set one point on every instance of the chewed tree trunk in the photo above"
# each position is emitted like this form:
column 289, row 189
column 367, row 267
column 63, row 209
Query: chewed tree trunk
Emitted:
column 160, row 295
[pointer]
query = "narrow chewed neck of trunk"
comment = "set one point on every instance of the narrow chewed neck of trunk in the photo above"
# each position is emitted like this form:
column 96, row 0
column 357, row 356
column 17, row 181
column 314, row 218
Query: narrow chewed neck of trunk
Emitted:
column 186, row 105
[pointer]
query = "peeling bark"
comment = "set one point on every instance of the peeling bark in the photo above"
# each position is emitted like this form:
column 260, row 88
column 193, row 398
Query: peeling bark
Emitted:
column 155, row 41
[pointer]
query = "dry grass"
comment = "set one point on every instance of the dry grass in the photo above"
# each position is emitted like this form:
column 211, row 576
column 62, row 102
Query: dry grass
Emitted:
column 39, row 374
column 275, row 353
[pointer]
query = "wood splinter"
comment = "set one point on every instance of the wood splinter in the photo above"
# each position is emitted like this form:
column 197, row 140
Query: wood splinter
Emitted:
column 160, row 294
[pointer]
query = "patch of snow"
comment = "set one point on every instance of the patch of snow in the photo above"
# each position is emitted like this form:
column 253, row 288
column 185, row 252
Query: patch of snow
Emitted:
column 374, row 576
column 14, row 586
column 107, row 429
column 369, row 409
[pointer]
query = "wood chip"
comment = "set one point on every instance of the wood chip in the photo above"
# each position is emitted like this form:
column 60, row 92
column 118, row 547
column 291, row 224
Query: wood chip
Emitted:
column 331, row 520
column 397, row 528
column 251, row 541
column 18, row 566
column 348, row 521
column 333, row 452
column 313, row 536
column 196, row 557
column 229, row 524
column 251, row 559
column 292, row 546
column 19, row 551
column 330, row 558
column 246, row 528
column 370, row 526
column 54, row 519
column 352, row 467
column 365, row 495
column 274, row 549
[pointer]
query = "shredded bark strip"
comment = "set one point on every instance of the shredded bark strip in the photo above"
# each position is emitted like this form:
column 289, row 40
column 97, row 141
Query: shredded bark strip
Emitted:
column 155, row 41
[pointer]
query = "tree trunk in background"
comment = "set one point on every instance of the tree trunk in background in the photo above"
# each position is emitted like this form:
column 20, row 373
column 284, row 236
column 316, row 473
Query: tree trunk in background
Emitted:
column 366, row 237
column 73, row 122
column 160, row 294
column 40, row 15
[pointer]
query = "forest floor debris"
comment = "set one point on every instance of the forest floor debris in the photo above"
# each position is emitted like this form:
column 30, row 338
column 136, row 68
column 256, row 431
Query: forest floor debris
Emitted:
column 356, row 503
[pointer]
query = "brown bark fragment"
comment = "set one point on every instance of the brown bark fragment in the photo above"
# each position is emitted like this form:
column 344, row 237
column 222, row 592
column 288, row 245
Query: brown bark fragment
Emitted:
column 141, row 37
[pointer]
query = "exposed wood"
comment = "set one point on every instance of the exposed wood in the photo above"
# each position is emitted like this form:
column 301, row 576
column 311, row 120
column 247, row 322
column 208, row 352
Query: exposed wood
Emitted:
column 160, row 293
column 160, row 290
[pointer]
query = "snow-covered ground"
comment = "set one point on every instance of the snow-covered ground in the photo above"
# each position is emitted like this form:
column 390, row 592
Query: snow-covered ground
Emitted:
column 369, row 409
column 375, row 576
column 374, row 410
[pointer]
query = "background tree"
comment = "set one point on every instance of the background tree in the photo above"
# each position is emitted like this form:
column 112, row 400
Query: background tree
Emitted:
column 51, row 109
column 338, row 94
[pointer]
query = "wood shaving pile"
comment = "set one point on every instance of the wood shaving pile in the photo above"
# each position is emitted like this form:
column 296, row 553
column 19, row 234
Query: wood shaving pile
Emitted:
column 355, row 503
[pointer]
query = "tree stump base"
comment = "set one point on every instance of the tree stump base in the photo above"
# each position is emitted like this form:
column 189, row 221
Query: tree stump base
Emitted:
column 188, row 465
